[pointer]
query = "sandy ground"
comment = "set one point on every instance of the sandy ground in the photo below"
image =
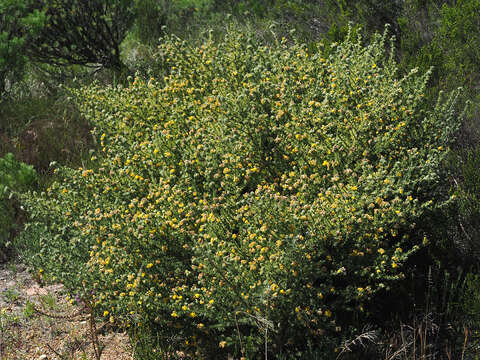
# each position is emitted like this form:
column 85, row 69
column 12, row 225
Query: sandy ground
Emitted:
column 27, row 334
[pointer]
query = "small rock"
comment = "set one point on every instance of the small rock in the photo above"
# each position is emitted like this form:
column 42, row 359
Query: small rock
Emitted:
column 21, row 267
column 36, row 290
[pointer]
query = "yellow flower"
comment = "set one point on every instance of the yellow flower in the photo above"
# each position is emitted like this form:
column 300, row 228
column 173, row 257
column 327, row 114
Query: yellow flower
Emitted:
column 425, row 241
column 222, row 344
column 105, row 313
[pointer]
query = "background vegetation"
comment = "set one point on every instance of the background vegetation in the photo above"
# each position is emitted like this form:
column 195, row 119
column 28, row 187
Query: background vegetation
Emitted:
column 219, row 177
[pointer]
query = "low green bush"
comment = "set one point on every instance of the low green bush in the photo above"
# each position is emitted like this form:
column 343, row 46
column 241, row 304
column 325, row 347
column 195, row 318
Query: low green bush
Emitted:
column 14, row 177
column 254, row 199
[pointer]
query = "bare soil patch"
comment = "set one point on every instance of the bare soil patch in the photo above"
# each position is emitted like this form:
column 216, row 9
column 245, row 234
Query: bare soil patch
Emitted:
column 26, row 334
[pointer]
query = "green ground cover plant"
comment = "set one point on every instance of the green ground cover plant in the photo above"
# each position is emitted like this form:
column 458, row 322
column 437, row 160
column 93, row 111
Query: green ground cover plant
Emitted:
column 14, row 177
column 253, row 201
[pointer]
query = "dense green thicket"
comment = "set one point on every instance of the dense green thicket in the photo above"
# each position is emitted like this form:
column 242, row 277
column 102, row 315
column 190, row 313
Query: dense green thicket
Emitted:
column 256, row 196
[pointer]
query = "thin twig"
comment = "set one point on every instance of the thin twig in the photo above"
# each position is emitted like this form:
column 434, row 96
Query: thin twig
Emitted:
column 53, row 350
column 266, row 342
column 465, row 331
column 369, row 335
column 70, row 317
column 93, row 334
column 239, row 336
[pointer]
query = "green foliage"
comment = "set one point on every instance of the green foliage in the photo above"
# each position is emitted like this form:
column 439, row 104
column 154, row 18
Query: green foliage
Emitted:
column 29, row 310
column 155, row 16
column 444, row 35
column 467, row 186
column 151, row 16
column 39, row 130
column 458, row 38
column 371, row 14
column 80, row 32
column 416, row 27
column 471, row 301
column 255, row 196
column 191, row 19
column 15, row 20
column 259, row 8
column 14, row 177
column 63, row 32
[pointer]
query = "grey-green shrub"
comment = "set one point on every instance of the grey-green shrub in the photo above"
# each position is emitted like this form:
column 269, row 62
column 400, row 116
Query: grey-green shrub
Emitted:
column 255, row 194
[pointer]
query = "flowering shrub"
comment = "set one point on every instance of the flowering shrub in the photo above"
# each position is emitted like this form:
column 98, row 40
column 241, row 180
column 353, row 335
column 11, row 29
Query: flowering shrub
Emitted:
column 255, row 196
